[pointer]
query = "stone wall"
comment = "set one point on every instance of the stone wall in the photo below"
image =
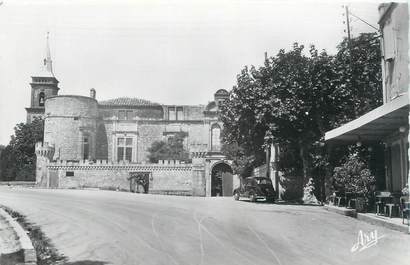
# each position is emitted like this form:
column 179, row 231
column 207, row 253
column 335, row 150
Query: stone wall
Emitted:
column 169, row 177
column 68, row 120
column 144, row 133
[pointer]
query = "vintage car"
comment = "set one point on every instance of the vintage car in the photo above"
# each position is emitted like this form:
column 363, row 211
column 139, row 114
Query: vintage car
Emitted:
column 255, row 188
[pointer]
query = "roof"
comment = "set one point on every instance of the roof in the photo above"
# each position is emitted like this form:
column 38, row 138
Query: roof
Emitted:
column 374, row 125
column 125, row 101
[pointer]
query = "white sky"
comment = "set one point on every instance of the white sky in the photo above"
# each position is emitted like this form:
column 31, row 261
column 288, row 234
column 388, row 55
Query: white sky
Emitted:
column 171, row 52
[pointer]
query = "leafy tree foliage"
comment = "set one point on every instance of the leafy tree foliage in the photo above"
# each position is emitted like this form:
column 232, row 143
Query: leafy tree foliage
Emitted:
column 297, row 96
column 359, row 67
column 354, row 176
column 18, row 159
column 173, row 149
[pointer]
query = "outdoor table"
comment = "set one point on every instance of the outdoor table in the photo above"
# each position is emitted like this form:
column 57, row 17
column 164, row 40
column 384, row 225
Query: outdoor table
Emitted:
column 381, row 201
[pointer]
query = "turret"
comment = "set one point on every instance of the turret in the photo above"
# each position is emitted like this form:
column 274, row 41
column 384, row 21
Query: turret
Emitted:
column 44, row 153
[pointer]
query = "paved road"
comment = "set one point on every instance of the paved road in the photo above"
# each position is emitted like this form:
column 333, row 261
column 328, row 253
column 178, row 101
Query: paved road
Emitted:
column 124, row 228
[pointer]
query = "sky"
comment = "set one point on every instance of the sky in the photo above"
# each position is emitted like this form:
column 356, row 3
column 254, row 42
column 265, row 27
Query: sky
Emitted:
column 165, row 51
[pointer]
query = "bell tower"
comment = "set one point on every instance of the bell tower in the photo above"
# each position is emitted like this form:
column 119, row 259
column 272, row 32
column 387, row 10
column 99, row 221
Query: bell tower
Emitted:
column 43, row 84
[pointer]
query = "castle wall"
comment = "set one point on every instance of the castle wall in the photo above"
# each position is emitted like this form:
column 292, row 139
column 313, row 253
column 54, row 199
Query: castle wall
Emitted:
column 164, row 178
column 69, row 119
column 144, row 133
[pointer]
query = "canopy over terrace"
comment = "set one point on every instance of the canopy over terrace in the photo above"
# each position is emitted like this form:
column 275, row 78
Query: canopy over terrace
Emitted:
column 375, row 125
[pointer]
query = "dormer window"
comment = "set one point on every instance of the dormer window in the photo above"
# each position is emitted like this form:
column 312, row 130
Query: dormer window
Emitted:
column 41, row 99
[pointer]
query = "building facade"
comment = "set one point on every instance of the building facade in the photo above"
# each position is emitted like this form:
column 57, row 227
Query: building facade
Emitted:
column 388, row 123
column 92, row 143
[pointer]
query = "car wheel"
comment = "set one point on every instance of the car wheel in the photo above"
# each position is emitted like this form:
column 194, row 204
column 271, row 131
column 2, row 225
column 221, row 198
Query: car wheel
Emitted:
column 252, row 197
column 236, row 196
column 270, row 200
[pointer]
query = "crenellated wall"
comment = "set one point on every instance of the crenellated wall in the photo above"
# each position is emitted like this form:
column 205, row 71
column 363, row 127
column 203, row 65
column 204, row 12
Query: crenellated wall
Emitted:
column 166, row 177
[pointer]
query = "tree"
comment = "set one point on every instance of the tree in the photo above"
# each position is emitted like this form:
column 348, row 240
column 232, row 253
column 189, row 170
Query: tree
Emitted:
column 171, row 150
column 297, row 96
column 242, row 135
column 18, row 159
column 359, row 67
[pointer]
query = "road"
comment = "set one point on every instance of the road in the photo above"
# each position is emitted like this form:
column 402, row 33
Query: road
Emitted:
column 109, row 227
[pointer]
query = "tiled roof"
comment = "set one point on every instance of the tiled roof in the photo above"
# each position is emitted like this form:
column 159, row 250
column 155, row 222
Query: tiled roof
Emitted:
column 127, row 102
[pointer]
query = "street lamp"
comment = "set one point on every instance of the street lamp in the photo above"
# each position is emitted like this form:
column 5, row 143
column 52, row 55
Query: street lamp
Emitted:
column 268, row 142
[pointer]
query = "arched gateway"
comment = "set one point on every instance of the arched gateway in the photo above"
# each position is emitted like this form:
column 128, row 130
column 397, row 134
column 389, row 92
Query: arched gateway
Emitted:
column 221, row 180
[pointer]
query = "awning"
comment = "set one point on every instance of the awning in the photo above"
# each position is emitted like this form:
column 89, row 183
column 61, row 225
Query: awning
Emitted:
column 374, row 125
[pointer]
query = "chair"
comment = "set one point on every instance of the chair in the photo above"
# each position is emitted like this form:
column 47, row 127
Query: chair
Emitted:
column 350, row 198
column 405, row 208
column 339, row 197
column 394, row 203
column 381, row 198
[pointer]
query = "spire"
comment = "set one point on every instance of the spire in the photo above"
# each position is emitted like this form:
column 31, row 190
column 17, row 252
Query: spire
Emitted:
column 46, row 70
column 48, row 63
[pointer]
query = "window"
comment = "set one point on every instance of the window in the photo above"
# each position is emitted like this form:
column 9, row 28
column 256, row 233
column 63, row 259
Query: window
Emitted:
column 125, row 115
column 69, row 173
column 263, row 181
column 180, row 113
column 215, row 137
column 171, row 113
column 41, row 99
column 86, row 148
column 390, row 69
column 175, row 113
column 121, row 114
column 129, row 115
column 124, row 149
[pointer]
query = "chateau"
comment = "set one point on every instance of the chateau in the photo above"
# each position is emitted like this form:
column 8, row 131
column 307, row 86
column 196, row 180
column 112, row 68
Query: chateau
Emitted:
column 104, row 143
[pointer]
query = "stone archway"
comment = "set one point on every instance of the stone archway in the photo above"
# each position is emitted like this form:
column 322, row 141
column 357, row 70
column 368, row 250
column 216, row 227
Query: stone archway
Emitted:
column 221, row 180
column 139, row 182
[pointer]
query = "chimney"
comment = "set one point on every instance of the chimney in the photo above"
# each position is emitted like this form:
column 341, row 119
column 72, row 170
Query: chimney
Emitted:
column 266, row 56
column 92, row 93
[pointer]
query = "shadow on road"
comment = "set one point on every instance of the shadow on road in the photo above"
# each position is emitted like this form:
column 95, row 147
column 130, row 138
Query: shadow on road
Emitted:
column 281, row 203
column 86, row 262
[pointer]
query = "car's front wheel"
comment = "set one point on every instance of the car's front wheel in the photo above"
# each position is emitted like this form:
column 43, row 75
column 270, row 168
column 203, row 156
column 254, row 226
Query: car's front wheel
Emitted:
column 236, row 196
column 270, row 199
column 252, row 197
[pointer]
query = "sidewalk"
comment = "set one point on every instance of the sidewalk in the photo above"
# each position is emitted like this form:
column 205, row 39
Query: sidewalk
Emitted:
column 394, row 223
column 15, row 246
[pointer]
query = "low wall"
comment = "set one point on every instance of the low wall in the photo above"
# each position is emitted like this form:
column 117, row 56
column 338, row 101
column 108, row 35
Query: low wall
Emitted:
column 170, row 178
column 17, row 183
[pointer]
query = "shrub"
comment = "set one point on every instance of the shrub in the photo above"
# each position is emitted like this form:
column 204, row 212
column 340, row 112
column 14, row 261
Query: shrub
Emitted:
column 354, row 176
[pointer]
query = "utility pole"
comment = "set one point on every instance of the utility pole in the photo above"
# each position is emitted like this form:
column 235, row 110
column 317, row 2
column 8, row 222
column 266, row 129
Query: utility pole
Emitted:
column 348, row 25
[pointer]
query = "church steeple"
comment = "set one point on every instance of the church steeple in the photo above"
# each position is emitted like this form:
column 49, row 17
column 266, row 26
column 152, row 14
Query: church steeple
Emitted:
column 43, row 85
column 48, row 63
column 47, row 67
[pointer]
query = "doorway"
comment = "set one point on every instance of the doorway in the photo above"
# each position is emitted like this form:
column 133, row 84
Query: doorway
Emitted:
column 221, row 180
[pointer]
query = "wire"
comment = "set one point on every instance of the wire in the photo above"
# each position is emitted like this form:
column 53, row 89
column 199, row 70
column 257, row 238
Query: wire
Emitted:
column 363, row 21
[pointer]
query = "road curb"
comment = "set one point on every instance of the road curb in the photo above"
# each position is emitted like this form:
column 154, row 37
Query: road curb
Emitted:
column 27, row 254
column 367, row 218
column 375, row 221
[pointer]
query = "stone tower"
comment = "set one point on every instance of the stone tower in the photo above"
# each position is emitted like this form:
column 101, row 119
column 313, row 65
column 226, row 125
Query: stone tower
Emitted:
column 43, row 85
column 44, row 153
